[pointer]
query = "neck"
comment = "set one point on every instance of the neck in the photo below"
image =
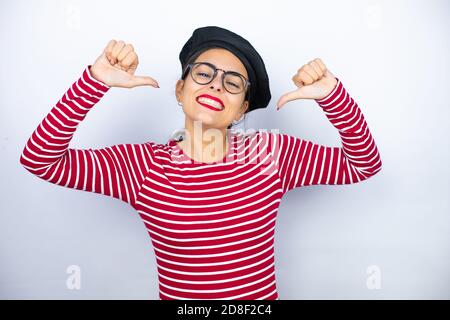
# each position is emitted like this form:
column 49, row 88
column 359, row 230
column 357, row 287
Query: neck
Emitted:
column 203, row 143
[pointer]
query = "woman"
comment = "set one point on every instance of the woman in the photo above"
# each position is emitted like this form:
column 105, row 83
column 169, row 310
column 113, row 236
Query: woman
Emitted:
column 210, row 199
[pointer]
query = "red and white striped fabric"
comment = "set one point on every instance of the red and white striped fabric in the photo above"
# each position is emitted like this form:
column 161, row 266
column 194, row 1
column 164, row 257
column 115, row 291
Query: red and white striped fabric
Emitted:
column 211, row 224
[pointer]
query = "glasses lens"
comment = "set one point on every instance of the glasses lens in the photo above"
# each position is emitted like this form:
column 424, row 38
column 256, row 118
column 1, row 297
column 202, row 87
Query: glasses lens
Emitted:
column 234, row 83
column 204, row 73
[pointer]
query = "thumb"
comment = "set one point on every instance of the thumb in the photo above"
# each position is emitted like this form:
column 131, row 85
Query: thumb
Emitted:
column 143, row 81
column 290, row 96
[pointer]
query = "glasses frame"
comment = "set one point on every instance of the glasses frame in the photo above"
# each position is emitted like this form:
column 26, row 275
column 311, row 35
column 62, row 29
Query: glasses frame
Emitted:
column 224, row 73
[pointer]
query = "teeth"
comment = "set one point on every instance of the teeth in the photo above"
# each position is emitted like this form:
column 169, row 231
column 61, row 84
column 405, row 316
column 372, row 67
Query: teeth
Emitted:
column 211, row 102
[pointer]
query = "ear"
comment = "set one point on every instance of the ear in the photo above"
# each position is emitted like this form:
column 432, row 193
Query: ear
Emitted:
column 245, row 106
column 178, row 89
column 243, row 109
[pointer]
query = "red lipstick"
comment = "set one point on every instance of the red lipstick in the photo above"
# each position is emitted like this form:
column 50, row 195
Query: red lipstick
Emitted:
column 212, row 98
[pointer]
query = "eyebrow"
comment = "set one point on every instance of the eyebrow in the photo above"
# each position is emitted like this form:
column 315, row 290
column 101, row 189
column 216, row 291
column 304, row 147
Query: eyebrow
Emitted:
column 221, row 68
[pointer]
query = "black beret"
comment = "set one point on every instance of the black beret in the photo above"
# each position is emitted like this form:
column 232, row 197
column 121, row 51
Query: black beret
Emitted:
column 213, row 37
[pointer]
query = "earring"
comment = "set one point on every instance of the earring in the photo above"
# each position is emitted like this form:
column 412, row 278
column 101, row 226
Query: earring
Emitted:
column 179, row 103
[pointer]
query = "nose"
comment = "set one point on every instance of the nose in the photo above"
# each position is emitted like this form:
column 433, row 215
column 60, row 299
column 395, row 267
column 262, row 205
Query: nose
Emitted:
column 216, row 84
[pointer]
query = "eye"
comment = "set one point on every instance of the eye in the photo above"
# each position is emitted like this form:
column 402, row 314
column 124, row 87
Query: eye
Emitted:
column 203, row 74
column 233, row 84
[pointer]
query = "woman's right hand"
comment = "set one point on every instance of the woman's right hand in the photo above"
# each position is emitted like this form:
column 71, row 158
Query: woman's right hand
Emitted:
column 116, row 65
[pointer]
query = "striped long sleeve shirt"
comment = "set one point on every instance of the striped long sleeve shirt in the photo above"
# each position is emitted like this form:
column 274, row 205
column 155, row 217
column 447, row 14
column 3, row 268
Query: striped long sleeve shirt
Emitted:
column 211, row 224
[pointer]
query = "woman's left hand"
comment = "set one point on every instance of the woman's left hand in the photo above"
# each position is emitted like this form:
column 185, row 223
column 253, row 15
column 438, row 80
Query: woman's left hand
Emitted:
column 314, row 81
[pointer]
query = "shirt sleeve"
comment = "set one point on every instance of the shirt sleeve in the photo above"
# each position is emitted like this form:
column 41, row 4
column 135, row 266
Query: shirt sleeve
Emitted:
column 116, row 171
column 303, row 163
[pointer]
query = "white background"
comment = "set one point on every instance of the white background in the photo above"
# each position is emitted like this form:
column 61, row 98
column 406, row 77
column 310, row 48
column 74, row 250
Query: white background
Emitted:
column 392, row 57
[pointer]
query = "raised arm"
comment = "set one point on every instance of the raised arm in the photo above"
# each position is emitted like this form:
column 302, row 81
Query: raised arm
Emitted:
column 302, row 163
column 116, row 171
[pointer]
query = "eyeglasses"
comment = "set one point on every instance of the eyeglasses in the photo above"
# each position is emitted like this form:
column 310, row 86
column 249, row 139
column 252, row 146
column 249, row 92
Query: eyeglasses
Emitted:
column 205, row 72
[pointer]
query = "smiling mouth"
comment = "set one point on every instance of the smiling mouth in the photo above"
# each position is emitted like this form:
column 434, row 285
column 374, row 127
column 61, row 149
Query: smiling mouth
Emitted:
column 210, row 103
